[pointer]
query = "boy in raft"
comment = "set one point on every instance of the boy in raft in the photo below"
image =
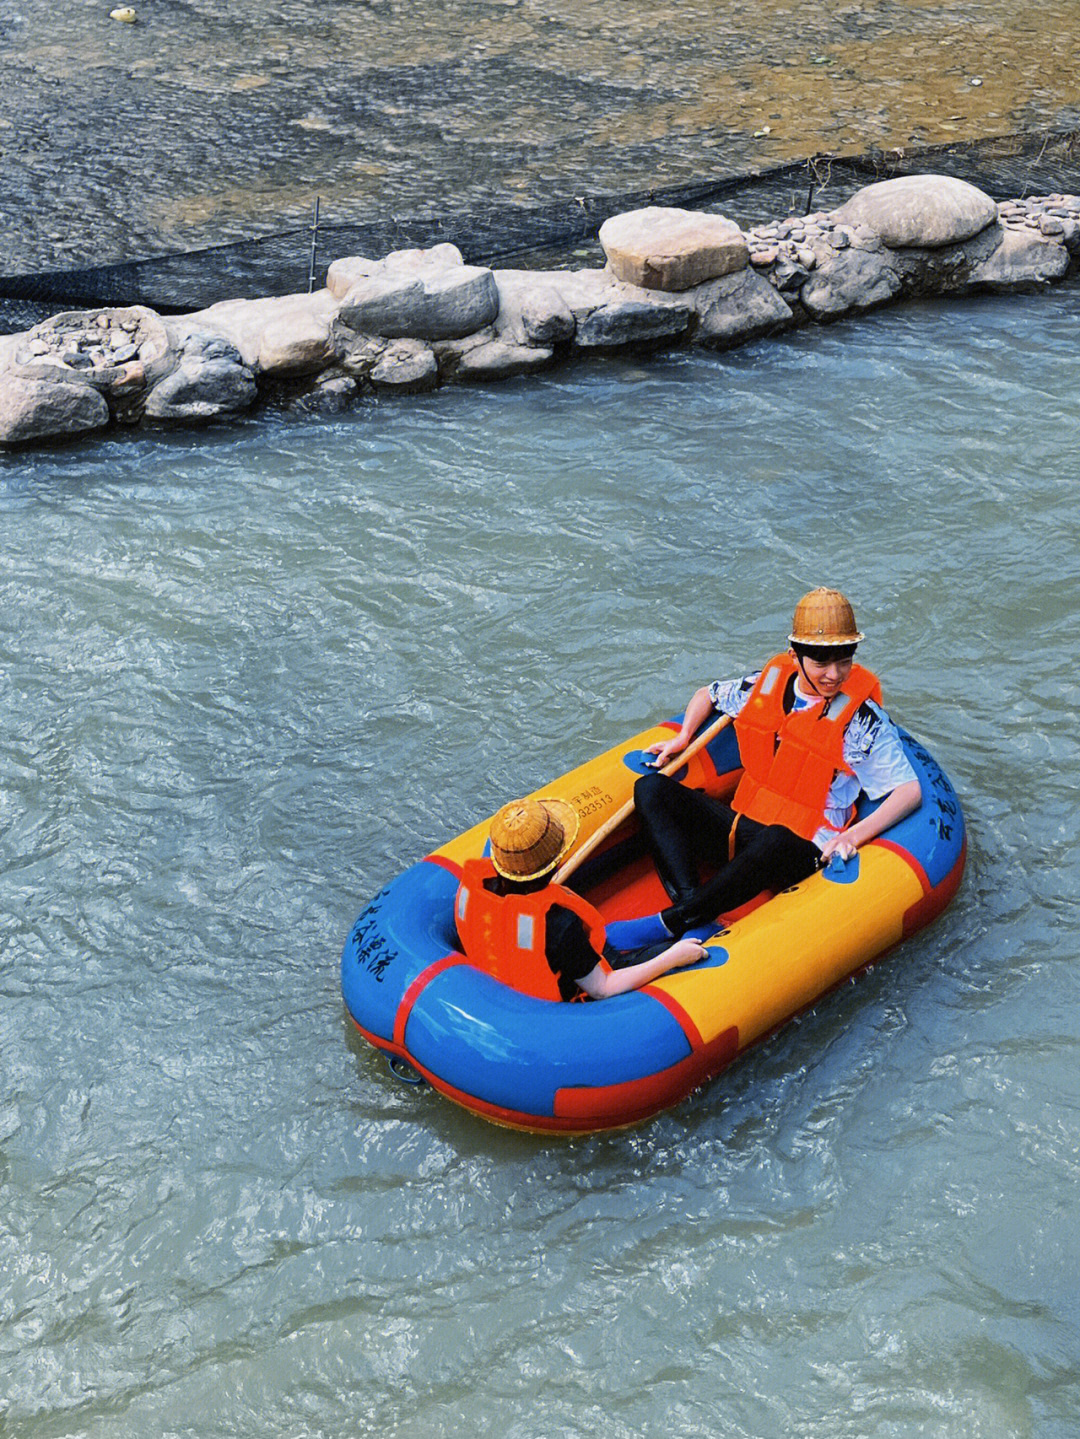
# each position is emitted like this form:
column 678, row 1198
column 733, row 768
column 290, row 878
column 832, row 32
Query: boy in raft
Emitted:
column 537, row 936
column 812, row 734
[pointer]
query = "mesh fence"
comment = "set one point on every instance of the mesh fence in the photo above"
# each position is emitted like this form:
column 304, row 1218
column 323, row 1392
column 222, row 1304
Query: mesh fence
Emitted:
column 285, row 261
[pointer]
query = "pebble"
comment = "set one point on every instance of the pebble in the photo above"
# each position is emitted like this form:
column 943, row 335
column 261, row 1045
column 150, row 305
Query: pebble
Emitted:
column 764, row 257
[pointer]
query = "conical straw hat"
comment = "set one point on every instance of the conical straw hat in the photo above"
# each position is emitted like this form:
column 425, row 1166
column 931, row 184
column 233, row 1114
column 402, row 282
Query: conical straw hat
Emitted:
column 530, row 836
column 824, row 617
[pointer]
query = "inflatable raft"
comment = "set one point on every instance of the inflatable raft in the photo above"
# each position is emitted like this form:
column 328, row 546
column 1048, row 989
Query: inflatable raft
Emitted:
column 544, row 1066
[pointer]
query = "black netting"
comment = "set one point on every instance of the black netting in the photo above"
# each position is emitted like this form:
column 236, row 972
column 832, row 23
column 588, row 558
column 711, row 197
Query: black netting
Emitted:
column 1009, row 166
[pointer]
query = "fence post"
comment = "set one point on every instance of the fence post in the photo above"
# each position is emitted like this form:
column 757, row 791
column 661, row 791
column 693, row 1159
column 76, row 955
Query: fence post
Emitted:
column 314, row 246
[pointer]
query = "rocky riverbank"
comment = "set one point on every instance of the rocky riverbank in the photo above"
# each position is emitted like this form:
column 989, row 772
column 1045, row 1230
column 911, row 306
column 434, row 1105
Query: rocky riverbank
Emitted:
column 420, row 318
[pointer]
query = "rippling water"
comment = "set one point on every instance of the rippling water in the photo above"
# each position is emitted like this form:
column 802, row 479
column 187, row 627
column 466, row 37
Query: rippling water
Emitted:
column 245, row 679
column 207, row 121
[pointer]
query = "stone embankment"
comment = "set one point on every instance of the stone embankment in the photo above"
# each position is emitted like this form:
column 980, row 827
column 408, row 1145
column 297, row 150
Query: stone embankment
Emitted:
column 420, row 318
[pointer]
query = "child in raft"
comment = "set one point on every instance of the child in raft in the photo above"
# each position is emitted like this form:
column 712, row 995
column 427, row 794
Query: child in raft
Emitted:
column 539, row 936
column 812, row 734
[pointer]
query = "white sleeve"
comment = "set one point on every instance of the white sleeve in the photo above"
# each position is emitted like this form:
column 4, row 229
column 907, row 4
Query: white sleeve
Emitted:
column 729, row 696
column 873, row 749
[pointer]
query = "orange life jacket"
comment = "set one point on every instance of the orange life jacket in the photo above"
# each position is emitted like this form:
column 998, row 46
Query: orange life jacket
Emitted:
column 504, row 934
column 790, row 760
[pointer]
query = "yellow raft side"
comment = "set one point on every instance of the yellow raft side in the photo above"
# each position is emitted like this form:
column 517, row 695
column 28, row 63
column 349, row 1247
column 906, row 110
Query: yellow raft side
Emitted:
column 781, row 957
column 787, row 953
column 596, row 789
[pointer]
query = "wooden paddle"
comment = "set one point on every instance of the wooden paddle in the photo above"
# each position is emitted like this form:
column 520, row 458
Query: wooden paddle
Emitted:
column 673, row 764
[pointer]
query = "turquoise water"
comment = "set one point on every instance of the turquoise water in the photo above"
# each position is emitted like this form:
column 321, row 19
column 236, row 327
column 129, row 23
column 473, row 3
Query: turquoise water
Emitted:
column 247, row 676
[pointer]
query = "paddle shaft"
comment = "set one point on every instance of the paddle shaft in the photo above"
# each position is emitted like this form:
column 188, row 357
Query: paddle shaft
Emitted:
column 609, row 825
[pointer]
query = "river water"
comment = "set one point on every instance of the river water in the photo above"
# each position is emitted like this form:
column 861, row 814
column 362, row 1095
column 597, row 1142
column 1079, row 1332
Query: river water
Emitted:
column 248, row 676
column 204, row 122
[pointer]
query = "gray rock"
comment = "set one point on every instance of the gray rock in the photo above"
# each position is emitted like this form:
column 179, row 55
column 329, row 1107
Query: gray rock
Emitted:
column 201, row 346
column 498, row 360
column 415, row 294
column 210, row 382
column 630, row 322
column 789, row 276
column 359, row 353
column 97, row 343
column 278, row 336
column 407, row 366
column 738, row 308
column 38, row 409
column 659, row 248
column 328, row 394
column 1023, row 260
column 847, row 280
column 863, row 237
column 531, row 309
column 608, row 313
column 1071, row 237
column 923, row 210
column 343, row 274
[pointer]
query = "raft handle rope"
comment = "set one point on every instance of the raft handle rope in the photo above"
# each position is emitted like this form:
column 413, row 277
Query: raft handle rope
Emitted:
column 404, row 1071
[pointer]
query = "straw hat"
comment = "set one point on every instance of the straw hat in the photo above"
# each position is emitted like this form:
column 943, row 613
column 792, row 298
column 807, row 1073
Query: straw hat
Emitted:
column 530, row 836
column 824, row 617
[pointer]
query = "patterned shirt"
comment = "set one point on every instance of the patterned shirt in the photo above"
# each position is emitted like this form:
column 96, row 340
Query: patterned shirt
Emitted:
column 872, row 748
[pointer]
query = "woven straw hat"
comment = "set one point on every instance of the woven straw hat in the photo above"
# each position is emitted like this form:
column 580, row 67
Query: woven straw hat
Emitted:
column 530, row 836
column 824, row 617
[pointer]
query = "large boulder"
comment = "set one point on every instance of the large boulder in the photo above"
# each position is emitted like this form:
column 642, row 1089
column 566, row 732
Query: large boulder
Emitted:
column 279, row 336
column 1023, row 260
column 39, row 409
column 737, row 308
column 925, row 210
column 665, row 249
column 849, row 280
column 414, row 294
column 608, row 314
column 210, row 382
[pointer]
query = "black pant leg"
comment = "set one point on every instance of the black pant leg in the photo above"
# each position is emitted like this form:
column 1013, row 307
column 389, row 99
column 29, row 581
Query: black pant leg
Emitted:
column 683, row 829
column 767, row 857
